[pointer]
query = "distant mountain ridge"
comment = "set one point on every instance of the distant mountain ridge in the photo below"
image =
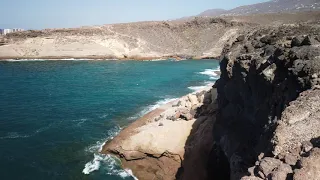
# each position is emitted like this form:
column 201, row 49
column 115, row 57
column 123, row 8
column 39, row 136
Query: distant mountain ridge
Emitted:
column 274, row 6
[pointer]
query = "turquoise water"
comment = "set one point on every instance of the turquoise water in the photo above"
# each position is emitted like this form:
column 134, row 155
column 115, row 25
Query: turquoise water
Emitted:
column 55, row 115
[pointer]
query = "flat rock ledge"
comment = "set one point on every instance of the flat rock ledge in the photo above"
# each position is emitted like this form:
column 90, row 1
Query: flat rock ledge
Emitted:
column 154, row 146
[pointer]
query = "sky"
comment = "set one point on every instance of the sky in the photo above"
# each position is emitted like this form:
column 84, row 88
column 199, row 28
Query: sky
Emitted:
column 41, row 14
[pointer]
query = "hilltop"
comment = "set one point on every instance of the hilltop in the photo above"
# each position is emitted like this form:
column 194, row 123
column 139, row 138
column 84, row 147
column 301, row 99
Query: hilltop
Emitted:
column 199, row 37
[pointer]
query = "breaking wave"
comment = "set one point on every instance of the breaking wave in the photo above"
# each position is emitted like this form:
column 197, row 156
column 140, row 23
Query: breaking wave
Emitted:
column 151, row 108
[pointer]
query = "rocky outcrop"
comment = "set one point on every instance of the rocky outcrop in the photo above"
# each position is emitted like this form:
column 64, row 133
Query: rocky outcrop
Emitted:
column 259, row 121
column 156, row 145
column 268, row 122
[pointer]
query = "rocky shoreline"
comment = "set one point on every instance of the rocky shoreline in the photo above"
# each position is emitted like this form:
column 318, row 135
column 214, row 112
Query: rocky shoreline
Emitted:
column 154, row 145
column 260, row 121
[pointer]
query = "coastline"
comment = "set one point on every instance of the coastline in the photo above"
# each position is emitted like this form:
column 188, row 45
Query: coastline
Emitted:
column 154, row 145
column 100, row 58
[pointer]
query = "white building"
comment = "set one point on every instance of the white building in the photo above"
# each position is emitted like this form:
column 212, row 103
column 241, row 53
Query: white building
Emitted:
column 6, row 31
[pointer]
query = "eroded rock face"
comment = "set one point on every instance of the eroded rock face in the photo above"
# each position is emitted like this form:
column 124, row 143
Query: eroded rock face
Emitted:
column 261, row 121
column 166, row 141
column 268, row 102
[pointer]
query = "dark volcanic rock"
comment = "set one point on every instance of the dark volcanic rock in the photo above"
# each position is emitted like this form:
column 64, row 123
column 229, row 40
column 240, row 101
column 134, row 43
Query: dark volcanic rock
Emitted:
column 296, row 41
column 254, row 90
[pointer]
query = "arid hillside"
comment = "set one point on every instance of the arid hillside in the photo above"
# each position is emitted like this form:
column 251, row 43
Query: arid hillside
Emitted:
column 198, row 37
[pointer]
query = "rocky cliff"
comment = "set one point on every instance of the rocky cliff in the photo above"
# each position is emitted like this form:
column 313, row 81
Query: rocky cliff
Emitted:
column 268, row 123
column 259, row 121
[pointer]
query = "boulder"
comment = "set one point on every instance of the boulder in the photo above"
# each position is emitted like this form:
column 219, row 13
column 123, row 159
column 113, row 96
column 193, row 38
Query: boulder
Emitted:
column 281, row 172
column 308, row 40
column 193, row 99
column 268, row 164
column 290, row 159
column 296, row 41
column 240, row 38
column 306, row 146
column 249, row 48
column 269, row 50
column 271, row 40
column 257, row 44
column 310, row 167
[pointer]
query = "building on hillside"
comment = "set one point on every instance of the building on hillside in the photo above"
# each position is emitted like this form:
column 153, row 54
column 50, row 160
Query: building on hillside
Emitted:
column 6, row 31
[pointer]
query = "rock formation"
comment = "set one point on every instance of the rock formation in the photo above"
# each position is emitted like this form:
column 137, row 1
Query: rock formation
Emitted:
column 155, row 145
column 268, row 121
column 259, row 121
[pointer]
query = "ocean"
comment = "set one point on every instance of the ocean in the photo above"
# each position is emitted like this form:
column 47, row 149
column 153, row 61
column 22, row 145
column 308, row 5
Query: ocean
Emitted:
column 56, row 115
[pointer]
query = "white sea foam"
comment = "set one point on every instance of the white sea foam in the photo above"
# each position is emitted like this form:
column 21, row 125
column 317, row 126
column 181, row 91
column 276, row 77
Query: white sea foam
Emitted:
column 97, row 147
column 209, row 72
column 17, row 135
column 80, row 121
column 14, row 135
column 151, row 108
column 196, row 88
column 93, row 165
column 109, row 163
column 128, row 172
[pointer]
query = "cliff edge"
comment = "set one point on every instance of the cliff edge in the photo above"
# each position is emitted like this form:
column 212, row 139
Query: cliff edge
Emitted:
column 259, row 121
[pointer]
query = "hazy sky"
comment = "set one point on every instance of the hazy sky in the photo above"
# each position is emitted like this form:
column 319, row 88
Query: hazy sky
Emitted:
column 40, row 14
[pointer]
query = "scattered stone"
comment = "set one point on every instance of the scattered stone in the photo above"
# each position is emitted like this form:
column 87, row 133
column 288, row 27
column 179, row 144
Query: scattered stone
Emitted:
column 251, row 170
column 310, row 167
column 193, row 99
column 261, row 155
column 249, row 48
column 186, row 116
column 271, row 40
column 158, row 118
column 269, row 50
column 251, row 178
column 290, row 159
column 268, row 164
column 308, row 41
column 296, row 41
column 160, row 124
column 306, row 146
column 257, row 44
column 174, row 117
column 240, row 38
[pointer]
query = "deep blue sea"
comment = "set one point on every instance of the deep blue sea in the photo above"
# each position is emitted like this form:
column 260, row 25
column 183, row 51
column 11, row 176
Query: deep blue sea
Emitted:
column 55, row 115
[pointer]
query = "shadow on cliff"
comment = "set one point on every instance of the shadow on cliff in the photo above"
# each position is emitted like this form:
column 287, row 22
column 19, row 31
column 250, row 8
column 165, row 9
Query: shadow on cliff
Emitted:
column 237, row 126
column 203, row 159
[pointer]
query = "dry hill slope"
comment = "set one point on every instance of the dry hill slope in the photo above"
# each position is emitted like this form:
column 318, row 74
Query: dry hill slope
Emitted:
column 197, row 37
